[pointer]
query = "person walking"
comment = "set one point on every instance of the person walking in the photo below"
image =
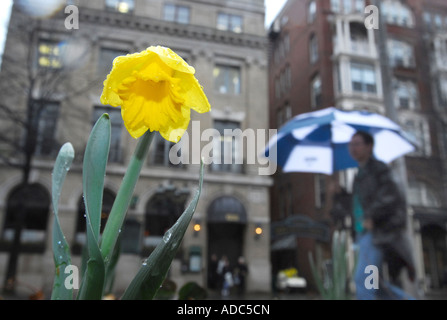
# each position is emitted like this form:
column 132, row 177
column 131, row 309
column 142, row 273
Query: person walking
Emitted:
column 379, row 217
column 226, row 276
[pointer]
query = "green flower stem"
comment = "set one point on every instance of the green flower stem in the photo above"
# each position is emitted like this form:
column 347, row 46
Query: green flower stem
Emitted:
column 124, row 196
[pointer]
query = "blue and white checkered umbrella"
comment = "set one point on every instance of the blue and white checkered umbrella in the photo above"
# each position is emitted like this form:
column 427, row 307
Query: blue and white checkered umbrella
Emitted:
column 318, row 141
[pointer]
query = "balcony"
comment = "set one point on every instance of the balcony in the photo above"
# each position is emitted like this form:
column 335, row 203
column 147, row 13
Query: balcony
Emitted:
column 353, row 39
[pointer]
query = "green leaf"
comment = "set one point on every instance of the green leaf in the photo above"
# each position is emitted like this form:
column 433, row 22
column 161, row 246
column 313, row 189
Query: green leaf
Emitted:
column 93, row 280
column 192, row 291
column 61, row 250
column 111, row 268
column 153, row 271
column 94, row 169
column 317, row 277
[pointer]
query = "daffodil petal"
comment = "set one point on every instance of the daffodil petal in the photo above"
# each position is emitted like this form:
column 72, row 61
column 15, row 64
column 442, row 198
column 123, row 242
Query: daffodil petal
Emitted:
column 175, row 134
column 172, row 60
column 194, row 96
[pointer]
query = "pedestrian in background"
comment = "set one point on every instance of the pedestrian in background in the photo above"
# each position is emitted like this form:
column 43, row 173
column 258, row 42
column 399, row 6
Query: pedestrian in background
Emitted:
column 225, row 274
column 240, row 274
column 379, row 217
column 213, row 276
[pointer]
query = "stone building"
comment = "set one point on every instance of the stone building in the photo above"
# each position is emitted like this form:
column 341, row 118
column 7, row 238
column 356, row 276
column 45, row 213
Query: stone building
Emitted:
column 322, row 54
column 57, row 67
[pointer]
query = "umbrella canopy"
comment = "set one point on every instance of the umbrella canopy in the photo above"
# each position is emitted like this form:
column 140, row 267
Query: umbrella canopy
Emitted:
column 318, row 141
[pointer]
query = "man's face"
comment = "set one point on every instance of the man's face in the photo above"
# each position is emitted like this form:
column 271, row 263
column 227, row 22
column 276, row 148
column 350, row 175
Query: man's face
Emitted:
column 359, row 150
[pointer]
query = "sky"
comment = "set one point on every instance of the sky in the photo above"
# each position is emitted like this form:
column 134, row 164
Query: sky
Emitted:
column 4, row 18
column 272, row 8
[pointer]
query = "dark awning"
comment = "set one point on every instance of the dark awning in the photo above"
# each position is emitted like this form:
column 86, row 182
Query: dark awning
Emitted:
column 300, row 226
column 227, row 209
column 430, row 216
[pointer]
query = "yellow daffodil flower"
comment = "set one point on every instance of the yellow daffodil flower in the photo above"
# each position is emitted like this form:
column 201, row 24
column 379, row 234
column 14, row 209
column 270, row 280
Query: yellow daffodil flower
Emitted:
column 156, row 90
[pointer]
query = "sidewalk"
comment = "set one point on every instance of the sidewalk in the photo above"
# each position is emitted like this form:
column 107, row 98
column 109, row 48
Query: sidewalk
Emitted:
column 438, row 294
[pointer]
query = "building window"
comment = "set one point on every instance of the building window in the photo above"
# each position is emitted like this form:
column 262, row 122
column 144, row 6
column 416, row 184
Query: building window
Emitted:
column 418, row 130
column 277, row 88
column 49, row 54
column 162, row 211
column 442, row 91
column 313, row 48
column 434, row 20
column 106, row 57
column 160, row 154
column 398, row 13
column 359, row 38
column 229, row 22
column 438, row 20
column 131, row 236
column 47, row 114
column 287, row 112
column 348, row 6
column 226, row 151
column 311, row 11
column 335, row 5
column 123, row 6
column 279, row 117
column 316, row 92
column 405, row 94
column 283, row 115
column 363, row 78
column 419, row 194
column 115, row 153
column 227, row 79
column 176, row 13
column 401, row 54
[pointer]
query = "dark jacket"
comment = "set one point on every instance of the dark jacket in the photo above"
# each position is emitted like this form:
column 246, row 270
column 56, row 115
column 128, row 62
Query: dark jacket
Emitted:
column 383, row 202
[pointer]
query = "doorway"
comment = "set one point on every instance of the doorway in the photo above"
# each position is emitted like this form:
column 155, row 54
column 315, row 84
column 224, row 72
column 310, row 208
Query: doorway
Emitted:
column 226, row 239
column 226, row 224
column 434, row 244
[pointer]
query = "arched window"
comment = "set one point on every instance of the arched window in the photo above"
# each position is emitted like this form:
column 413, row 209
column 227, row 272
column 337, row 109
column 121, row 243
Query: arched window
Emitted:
column 80, row 235
column 312, row 11
column 28, row 210
column 162, row 211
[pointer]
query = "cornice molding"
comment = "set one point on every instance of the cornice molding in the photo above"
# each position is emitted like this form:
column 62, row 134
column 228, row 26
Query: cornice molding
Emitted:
column 145, row 24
